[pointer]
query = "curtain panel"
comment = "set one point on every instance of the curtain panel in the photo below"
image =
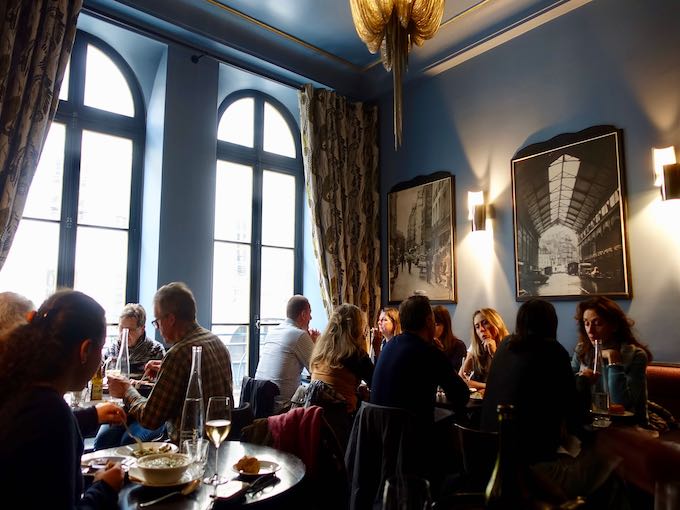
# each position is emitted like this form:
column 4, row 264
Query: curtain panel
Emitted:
column 36, row 38
column 340, row 153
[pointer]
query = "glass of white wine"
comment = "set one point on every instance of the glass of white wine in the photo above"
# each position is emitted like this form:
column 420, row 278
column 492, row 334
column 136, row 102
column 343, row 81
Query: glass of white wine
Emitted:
column 217, row 427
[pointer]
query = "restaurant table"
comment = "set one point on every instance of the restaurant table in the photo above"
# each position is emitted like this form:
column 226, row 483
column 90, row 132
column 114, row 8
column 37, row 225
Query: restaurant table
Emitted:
column 290, row 474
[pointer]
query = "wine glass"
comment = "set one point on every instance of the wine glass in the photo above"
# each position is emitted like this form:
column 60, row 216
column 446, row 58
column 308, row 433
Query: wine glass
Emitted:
column 217, row 427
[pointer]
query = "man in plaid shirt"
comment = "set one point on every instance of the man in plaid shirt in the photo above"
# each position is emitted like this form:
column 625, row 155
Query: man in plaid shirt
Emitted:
column 175, row 317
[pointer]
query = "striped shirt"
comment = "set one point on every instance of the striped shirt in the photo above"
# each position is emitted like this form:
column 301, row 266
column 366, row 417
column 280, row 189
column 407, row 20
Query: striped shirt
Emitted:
column 166, row 400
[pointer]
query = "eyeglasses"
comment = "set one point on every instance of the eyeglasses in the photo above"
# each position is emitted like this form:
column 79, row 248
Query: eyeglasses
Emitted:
column 156, row 323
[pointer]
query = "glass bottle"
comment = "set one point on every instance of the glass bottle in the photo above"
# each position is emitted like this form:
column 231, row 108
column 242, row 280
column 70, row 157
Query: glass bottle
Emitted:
column 600, row 395
column 505, row 488
column 123, row 360
column 193, row 416
column 97, row 385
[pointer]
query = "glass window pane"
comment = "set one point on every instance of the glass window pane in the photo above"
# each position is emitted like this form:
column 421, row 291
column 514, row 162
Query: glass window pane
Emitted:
column 237, row 123
column 235, row 337
column 105, row 180
column 105, row 86
column 31, row 267
column 44, row 196
column 231, row 283
column 278, row 270
column 277, row 136
column 233, row 202
column 278, row 209
column 63, row 91
column 101, row 267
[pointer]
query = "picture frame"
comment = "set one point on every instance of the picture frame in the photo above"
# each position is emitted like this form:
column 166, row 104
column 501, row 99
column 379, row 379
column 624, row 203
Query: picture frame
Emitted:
column 569, row 217
column 421, row 256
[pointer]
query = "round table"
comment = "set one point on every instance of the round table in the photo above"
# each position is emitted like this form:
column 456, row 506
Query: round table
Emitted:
column 291, row 473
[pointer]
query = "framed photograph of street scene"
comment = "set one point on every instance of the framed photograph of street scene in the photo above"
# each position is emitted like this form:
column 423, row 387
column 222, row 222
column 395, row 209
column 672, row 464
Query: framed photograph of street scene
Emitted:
column 421, row 219
column 569, row 212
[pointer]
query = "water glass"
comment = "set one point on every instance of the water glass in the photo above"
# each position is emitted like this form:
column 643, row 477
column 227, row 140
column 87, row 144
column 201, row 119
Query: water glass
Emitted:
column 407, row 492
column 667, row 495
column 78, row 397
column 197, row 450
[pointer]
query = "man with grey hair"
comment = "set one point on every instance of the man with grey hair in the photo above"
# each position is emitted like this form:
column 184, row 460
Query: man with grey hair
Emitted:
column 175, row 317
column 287, row 349
column 142, row 348
column 15, row 310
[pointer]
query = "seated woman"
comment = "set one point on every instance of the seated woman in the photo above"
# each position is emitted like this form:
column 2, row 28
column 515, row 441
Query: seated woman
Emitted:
column 488, row 329
column 453, row 347
column 600, row 318
column 389, row 326
column 58, row 351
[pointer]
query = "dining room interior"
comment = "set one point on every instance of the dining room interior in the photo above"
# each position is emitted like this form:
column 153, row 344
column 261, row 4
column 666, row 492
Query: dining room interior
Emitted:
column 250, row 150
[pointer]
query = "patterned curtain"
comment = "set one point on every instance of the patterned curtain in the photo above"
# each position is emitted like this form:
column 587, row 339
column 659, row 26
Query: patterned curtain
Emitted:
column 36, row 38
column 340, row 151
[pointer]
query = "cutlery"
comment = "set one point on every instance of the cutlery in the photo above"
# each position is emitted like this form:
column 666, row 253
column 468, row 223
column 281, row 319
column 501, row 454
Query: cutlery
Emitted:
column 140, row 445
column 186, row 490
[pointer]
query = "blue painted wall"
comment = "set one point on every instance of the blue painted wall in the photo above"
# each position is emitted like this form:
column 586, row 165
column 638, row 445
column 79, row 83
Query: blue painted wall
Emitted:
column 608, row 62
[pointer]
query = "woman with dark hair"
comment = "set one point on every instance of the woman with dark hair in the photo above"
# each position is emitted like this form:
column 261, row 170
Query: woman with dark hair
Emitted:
column 453, row 347
column 58, row 351
column 626, row 359
column 532, row 372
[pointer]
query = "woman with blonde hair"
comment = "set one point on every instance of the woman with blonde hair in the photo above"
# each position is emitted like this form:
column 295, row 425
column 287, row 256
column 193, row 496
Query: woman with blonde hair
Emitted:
column 339, row 357
column 488, row 330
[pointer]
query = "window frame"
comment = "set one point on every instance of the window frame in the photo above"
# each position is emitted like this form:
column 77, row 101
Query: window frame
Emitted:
column 260, row 160
column 77, row 117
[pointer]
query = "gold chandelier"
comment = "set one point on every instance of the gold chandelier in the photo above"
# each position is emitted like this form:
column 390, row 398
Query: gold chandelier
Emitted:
column 393, row 26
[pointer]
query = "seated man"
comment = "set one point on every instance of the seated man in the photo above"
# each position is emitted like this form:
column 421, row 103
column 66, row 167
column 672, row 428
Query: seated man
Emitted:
column 141, row 350
column 287, row 349
column 411, row 367
column 175, row 312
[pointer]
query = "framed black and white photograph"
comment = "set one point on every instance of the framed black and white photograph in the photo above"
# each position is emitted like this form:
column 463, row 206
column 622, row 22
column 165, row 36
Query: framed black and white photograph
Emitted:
column 421, row 238
column 569, row 211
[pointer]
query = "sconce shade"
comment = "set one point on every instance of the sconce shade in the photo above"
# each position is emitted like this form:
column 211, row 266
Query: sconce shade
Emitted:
column 662, row 157
column 477, row 210
column 670, row 189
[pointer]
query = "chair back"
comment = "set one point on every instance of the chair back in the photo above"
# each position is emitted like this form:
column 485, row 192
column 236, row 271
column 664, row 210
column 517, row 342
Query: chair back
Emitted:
column 260, row 393
column 241, row 416
column 479, row 450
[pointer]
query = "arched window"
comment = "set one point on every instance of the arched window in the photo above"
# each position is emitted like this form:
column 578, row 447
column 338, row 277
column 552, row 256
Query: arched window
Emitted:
column 80, row 226
column 259, row 189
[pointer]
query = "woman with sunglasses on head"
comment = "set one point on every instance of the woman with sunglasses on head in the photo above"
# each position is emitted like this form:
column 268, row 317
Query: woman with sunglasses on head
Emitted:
column 488, row 330
column 58, row 351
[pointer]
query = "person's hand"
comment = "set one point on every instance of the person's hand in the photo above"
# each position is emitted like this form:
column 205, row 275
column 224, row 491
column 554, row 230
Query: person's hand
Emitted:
column 611, row 355
column 151, row 369
column 118, row 385
column 108, row 412
column 314, row 333
column 490, row 346
column 112, row 475
column 364, row 392
column 589, row 374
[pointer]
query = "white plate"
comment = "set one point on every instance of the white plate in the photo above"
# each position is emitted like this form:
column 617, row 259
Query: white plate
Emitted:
column 100, row 458
column 194, row 472
column 266, row 468
column 126, row 451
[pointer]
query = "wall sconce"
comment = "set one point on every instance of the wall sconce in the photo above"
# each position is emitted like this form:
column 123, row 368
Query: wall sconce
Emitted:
column 666, row 172
column 477, row 210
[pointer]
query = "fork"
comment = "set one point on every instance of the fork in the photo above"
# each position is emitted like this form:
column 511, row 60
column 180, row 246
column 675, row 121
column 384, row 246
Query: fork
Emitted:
column 140, row 445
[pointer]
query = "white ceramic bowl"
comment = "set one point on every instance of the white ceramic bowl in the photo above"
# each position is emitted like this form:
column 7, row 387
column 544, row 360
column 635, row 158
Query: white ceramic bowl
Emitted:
column 163, row 468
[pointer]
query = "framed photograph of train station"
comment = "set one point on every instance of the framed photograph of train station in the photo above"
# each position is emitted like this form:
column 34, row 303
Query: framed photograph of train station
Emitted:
column 421, row 238
column 569, row 212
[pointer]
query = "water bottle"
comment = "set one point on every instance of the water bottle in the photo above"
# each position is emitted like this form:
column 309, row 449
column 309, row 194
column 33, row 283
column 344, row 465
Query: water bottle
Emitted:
column 193, row 416
column 123, row 360
column 600, row 393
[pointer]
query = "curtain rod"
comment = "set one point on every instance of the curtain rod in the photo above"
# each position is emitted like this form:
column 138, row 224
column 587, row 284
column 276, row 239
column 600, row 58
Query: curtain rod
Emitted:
column 165, row 38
